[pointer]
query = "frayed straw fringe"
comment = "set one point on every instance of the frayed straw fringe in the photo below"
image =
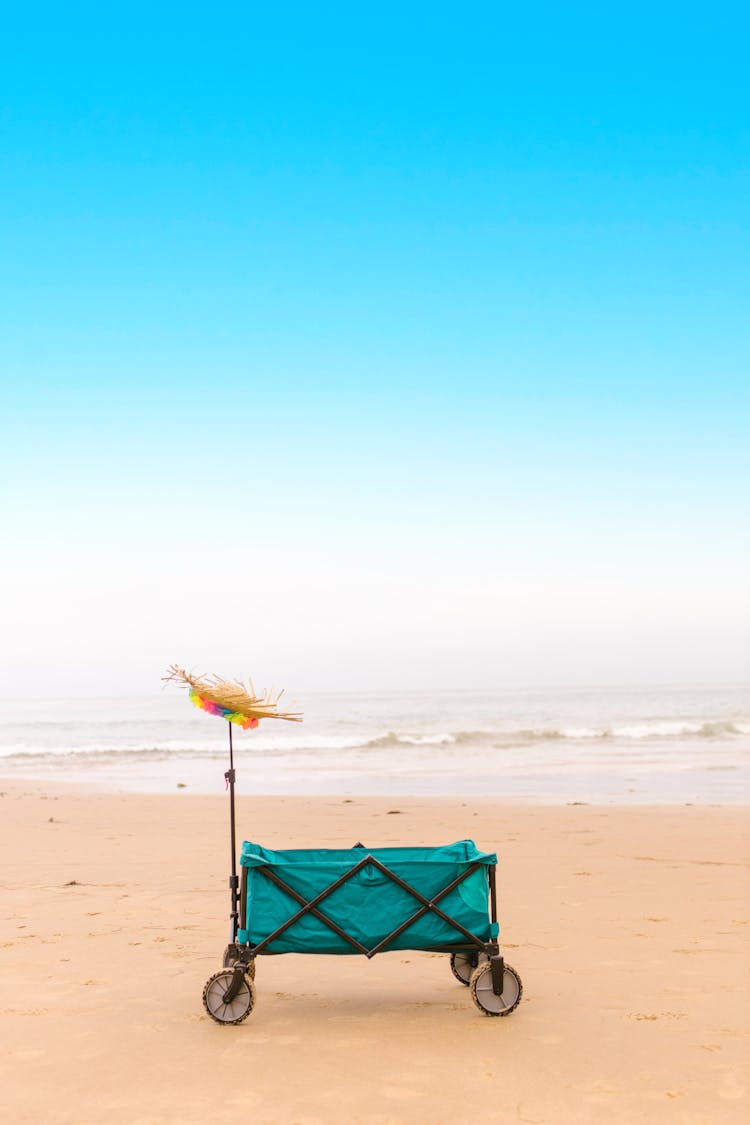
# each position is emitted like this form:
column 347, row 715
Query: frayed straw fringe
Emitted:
column 233, row 694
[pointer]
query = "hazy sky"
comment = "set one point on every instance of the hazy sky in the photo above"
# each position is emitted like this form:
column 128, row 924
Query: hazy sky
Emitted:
column 372, row 347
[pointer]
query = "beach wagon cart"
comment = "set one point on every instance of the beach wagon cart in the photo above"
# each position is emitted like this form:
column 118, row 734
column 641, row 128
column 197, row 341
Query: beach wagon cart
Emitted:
column 352, row 900
column 366, row 900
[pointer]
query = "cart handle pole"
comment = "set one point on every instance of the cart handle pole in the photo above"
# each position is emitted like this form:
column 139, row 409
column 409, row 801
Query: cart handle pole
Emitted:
column 233, row 880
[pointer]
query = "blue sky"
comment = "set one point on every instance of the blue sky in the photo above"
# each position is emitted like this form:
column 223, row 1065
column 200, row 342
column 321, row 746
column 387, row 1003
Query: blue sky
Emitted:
column 368, row 347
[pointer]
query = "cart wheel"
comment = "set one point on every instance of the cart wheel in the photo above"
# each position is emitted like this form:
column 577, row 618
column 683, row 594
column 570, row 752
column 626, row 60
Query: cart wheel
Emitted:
column 232, row 956
column 462, row 967
column 237, row 1009
column 486, row 1000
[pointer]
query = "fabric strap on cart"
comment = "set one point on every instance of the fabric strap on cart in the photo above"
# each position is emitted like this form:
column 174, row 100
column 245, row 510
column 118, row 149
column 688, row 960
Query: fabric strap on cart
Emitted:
column 368, row 905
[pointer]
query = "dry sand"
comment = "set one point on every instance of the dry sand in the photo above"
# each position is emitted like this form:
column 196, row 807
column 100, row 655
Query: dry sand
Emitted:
column 629, row 927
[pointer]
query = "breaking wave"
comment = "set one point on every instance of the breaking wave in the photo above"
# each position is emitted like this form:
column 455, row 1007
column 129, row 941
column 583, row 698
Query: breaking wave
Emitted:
column 301, row 745
column 656, row 731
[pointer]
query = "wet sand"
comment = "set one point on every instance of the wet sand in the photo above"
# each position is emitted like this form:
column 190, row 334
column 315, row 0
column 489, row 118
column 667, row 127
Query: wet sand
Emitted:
column 628, row 926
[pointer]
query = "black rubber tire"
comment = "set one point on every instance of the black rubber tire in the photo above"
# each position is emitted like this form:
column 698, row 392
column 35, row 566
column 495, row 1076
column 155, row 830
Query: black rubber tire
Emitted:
column 462, row 968
column 484, row 997
column 238, row 1009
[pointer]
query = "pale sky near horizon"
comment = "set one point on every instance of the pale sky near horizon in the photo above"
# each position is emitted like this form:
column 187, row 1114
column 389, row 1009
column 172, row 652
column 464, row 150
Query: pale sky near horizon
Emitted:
column 354, row 350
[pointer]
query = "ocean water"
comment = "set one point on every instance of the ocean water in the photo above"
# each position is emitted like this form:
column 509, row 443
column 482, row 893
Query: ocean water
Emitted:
column 613, row 745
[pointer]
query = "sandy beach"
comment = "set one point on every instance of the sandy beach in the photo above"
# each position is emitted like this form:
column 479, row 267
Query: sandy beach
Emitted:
column 628, row 926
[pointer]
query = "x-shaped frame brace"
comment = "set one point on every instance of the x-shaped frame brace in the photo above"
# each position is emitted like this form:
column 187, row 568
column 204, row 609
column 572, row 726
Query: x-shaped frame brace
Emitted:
column 311, row 907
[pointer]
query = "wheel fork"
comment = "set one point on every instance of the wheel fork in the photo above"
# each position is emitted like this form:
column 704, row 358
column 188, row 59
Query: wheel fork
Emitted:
column 497, row 968
column 238, row 975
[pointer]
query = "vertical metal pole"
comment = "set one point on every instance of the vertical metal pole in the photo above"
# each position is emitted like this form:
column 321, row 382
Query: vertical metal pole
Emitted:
column 233, row 881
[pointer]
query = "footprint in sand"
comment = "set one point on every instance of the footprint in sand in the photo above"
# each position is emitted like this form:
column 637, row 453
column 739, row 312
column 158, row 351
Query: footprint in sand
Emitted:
column 24, row 1012
column 657, row 1015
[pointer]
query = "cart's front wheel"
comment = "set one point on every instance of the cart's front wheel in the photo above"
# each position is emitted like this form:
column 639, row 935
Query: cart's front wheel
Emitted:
column 464, row 964
column 235, row 1010
column 484, row 996
column 232, row 956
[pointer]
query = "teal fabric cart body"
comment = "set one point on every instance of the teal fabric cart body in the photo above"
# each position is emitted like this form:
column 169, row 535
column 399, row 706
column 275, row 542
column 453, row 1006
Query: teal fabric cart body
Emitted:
column 362, row 900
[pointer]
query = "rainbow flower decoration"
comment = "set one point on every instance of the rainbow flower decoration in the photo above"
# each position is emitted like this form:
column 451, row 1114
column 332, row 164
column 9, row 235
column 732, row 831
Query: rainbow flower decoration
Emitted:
column 247, row 722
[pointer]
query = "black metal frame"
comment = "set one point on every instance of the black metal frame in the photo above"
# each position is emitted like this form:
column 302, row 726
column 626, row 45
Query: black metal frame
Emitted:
column 238, row 897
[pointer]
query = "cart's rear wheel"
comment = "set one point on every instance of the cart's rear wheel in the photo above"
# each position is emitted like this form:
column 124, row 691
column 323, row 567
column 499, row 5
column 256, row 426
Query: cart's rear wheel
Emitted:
column 463, row 965
column 484, row 997
column 232, row 956
column 238, row 1008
